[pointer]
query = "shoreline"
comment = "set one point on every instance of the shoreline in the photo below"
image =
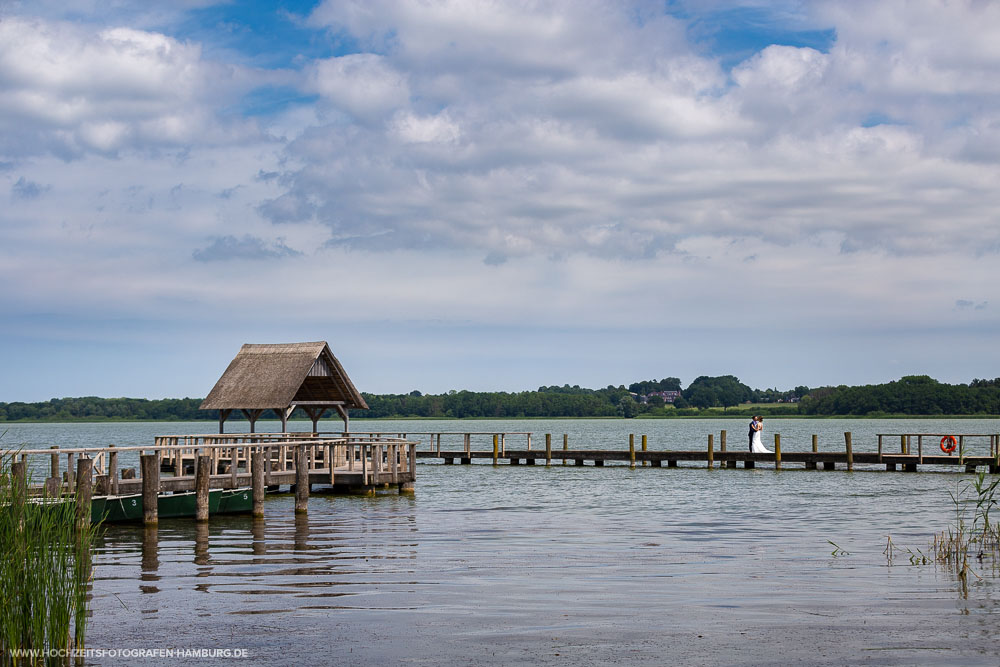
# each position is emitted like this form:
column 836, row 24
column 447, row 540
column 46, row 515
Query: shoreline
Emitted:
column 732, row 415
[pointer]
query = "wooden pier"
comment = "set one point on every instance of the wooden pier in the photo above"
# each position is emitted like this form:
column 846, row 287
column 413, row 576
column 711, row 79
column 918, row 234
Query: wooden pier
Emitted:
column 900, row 451
column 262, row 462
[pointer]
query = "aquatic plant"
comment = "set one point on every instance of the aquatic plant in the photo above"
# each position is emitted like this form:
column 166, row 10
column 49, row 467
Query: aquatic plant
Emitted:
column 45, row 572
column 971, row 540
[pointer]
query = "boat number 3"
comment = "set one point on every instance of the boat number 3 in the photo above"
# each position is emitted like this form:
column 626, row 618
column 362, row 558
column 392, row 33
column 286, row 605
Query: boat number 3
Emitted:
column 133, row 502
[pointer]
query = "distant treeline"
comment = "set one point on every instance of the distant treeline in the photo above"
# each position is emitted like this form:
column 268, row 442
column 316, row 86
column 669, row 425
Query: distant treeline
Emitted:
column 911, row 395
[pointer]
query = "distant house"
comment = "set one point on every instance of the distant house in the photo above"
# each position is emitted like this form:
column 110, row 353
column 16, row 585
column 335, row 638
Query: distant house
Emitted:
column 667, row 396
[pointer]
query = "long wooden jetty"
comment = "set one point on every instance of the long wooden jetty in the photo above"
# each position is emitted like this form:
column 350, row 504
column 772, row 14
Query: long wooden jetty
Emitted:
column 899, row 451
column 262, row 462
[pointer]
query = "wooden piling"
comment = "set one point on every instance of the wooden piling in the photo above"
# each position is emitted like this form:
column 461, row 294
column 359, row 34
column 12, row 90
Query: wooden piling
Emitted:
column 496, row 448
column 565, row 445
column 850, row 452
column 54, row 463
column 811, row 465
column 302, row 480
column 644, row 461
column 902, row 445
column 234, row 463
column 84, row 490
column 113, row 471
column 722, row 447
column 777, row 451
column 711, row 450
column 631, row 450
column 19, row 476
column 257, row 482
column 548, row 449
column 202, row 480
column 149, row 465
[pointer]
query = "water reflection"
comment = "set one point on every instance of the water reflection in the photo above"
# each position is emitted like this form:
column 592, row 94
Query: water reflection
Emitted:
column 150, row 557
column 201, row 547
column 259, row 543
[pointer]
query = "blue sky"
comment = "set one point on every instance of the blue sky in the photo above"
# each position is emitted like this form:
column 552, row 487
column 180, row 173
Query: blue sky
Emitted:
column 480, row 195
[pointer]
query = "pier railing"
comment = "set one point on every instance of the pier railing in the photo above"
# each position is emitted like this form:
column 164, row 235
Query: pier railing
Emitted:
column 965, row 444
column 467, row 438
column 971, row 450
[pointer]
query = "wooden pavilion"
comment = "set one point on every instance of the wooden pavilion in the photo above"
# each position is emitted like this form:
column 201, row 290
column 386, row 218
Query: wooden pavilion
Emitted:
column 283, row 377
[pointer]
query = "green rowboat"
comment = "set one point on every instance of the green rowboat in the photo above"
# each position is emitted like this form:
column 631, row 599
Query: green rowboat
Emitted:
column 168, row 506
column 236, row 501
column 115, row 509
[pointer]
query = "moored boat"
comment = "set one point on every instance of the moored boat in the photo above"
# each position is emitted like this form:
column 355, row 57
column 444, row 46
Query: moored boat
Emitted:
column 97, row 505
column 168, row 506
column 236, row 501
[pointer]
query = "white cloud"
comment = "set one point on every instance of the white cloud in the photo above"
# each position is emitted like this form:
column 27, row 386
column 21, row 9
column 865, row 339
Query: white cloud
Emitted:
column 414, row 129
column 363, row 85
column 71, row 89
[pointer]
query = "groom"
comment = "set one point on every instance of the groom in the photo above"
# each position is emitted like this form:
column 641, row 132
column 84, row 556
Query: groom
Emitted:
column 754, row 427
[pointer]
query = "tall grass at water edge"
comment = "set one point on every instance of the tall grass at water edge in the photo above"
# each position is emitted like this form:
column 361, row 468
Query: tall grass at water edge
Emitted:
column 971, row 545
column 45, row 574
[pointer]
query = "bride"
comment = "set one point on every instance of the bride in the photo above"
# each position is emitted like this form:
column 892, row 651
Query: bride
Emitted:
column 756, row 446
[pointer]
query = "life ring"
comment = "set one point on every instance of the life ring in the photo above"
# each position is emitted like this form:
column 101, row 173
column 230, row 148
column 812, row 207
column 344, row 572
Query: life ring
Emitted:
column 949, row 448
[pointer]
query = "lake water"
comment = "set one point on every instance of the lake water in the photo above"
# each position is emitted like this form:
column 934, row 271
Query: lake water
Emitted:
column 559, row 565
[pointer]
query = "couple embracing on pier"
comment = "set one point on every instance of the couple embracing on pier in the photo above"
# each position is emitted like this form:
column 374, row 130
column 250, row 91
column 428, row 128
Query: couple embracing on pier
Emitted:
column 756, row 426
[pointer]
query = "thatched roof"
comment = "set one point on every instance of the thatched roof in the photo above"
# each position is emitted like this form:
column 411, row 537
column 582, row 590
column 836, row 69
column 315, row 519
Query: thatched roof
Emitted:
column 281, row 376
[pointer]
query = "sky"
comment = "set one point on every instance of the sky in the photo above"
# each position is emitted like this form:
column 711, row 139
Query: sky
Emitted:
column 498, row 195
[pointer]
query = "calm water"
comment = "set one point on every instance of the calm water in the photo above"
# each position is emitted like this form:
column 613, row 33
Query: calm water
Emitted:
column 560, row 565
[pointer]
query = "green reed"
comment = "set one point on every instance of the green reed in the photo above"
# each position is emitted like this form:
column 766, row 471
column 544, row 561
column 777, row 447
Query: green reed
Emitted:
column 974, row 537
column 45, row 573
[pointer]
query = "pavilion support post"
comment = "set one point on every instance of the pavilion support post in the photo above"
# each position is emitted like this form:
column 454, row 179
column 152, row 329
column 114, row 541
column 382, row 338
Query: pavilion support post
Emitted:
column 252, row 416
column 345, row 416
column 223, row 416
column 315, row 414
column 286, row 414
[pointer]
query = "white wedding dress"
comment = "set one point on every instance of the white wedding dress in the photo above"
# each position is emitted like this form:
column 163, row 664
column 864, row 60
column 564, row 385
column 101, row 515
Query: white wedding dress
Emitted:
column 757, row 447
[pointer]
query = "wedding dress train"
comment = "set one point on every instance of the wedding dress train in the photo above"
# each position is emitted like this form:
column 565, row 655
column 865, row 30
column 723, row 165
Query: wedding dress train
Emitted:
column 757, row 446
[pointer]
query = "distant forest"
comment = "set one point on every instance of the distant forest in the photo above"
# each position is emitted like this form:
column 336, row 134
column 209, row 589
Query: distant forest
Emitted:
column 912, row 395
